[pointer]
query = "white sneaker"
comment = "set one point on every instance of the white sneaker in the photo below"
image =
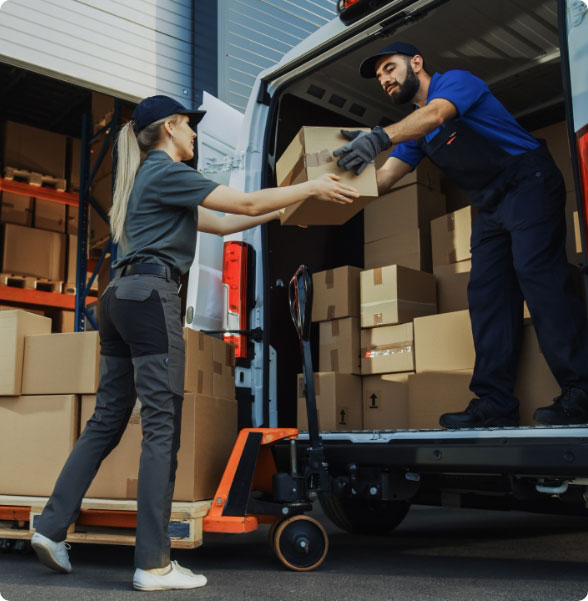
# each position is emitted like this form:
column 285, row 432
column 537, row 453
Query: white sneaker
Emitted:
column 53, row 555
column 177, row 578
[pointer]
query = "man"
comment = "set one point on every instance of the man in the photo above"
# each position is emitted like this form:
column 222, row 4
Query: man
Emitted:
column 518, row 237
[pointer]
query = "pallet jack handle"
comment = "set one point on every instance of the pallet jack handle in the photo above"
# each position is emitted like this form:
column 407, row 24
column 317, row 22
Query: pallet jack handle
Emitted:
column 300, row 297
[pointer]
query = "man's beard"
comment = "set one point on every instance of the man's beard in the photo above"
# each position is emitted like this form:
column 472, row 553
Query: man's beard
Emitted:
column 407, row 91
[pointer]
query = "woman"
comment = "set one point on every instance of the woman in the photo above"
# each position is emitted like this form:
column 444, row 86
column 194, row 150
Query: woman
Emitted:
column 156, row 208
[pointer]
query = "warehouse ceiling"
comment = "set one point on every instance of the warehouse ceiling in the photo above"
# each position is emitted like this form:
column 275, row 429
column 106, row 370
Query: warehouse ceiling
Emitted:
column 41, row 101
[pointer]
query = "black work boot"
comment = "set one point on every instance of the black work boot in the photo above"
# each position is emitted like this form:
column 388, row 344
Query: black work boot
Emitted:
column 570, row 407
column 477, row 415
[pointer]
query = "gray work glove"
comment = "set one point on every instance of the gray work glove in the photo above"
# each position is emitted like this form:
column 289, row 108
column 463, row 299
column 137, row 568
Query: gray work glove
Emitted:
column 362, row 149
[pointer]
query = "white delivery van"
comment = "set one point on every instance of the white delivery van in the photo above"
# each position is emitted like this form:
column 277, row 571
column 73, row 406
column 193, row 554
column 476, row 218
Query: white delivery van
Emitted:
column 532, row 54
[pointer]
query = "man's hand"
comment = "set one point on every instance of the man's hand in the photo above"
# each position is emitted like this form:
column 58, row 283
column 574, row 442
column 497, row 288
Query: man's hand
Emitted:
column 362, row 149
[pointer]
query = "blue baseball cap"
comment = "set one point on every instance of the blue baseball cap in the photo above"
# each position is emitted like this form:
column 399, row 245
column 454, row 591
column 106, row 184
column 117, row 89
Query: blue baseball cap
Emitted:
column 367, row 68
column 154, row 108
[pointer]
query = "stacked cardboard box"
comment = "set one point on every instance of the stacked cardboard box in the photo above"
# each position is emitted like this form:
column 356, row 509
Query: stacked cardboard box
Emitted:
column 308, row 156
column 396, row 225
column 48, row 385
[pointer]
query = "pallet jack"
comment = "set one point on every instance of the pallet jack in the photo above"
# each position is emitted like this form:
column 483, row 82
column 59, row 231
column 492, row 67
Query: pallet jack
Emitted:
column 253, row 492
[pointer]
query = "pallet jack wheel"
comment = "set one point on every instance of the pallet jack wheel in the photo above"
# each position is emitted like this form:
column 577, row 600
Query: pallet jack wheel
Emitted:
column 271, row 536
column 301, row 543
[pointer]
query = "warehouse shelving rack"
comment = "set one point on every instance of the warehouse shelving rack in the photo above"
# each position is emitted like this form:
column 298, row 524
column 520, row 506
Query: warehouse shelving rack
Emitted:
column 83, row 200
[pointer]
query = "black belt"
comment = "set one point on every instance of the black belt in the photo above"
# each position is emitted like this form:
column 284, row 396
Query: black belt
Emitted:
column 161, row 271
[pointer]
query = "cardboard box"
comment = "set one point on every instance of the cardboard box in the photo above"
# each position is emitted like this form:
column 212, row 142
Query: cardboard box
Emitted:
column 444, row 342
column 29, row 251
column 72, row 220
column 409, row 208
column 339, row 346
column 450, row 236
column 49, row 215
column 208, row 434
column 37, row 434
column 387, row 350
column 15, row 208
column 432, row 394
column 535, row 386
column 15, row 325
column 74, row 171
column 411, row 249
column 61, row 363
column 309, row 155
column 64, row 322
column 223, row 369
column 198, row 372
column 34, row 149
column 395, row 294
column 452, row 286
column 338, row 401
column 335, row 293
column 385, row 402
column 426, row 173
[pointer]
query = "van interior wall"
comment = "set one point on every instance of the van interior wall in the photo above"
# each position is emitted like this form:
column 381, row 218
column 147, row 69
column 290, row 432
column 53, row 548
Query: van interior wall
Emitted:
column 525, row 77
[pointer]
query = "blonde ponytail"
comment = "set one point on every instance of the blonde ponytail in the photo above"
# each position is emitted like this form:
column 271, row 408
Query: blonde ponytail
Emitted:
column 131, row 150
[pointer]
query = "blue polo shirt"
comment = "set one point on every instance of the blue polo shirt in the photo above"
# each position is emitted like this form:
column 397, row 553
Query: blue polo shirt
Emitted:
column 478, row 108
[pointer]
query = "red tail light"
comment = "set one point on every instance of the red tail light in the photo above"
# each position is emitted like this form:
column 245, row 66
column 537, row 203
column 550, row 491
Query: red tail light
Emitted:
column 235, row 276
column 582, row 145
column 345, row 4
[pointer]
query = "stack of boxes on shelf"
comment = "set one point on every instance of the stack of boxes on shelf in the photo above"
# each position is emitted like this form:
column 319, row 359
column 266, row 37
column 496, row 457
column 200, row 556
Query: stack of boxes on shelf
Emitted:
column 48, row 385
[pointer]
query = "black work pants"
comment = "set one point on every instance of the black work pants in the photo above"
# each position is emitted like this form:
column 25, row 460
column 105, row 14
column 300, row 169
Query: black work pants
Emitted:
column 142, row 354
column 518, row 251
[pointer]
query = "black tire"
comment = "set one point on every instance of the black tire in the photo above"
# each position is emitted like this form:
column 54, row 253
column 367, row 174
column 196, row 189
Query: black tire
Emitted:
column 360, row 516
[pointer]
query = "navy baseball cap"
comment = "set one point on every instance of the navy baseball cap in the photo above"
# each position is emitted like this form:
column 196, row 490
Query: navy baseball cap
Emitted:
column 154, row 108
column 367, row 68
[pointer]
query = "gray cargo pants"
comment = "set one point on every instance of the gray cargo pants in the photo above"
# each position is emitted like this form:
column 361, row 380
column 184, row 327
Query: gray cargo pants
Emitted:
column 142, row 354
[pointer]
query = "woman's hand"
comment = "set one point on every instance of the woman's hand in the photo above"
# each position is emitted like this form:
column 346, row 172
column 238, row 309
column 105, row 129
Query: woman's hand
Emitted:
column 327, row 187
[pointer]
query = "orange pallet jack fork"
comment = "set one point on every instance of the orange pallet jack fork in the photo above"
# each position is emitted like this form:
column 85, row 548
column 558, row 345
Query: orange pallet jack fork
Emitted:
column 253, row 492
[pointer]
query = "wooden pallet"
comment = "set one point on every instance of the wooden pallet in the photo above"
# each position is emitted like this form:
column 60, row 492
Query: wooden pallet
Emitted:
column 16, row 280
column 102, row 521
column 33, row 178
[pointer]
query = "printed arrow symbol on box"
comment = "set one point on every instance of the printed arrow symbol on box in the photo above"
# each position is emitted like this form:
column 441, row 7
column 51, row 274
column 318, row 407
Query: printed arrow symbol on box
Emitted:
column 342, row 414
column 373, row 398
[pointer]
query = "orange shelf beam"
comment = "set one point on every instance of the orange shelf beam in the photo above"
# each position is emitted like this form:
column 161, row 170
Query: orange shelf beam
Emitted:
column 22, row 189
column 40, row 297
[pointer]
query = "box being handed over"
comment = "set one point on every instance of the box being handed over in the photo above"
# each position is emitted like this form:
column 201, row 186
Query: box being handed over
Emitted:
column 309, row 155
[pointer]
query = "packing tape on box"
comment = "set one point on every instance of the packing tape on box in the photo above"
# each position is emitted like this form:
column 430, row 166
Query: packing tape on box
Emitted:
column 331, row 312
column 450, row 222
column 230, row 358
column 200, row 341
column 387, row 350
column 329, row 278
column 217, row 367
column 417, row 308
column 378, row 276
column 335, row 328
column 334, row 360
column 310, row 159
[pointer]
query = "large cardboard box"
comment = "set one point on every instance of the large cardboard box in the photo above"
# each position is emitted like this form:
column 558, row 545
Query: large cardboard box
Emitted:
column 339, row 346
column 536, row 385
column 198, row 372
column 208, row 433
column 444, row 342
column 387, row 350
column 64, row 322
column 432, row 394
column 34, row 149
column 411, row 248
column 61, row 363
column 29, row 251
column 408, row 208
column 309, row 155
column 37, row 434
column 385, row 402
column 338, row 401
column 335, row 293
column 14, row 327
column 395, row 294
column 223, row 369
column 450, row 236
column 15, row 208
column 49, row 215
column 452, row 286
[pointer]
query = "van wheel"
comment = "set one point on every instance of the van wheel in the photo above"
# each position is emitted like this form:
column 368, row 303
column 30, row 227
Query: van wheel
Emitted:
column 361, row 516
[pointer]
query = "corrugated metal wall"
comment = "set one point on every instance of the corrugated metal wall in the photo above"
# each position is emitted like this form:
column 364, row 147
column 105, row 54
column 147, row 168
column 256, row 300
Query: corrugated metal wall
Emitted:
column 130, row 49
column 255, row 34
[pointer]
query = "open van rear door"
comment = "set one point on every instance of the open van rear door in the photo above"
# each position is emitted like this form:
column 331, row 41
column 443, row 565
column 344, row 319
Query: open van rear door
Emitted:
column 218, row 133
column 573, row 27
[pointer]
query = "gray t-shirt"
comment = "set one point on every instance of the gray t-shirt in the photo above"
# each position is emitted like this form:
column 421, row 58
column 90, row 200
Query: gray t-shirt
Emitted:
column 162, row 214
